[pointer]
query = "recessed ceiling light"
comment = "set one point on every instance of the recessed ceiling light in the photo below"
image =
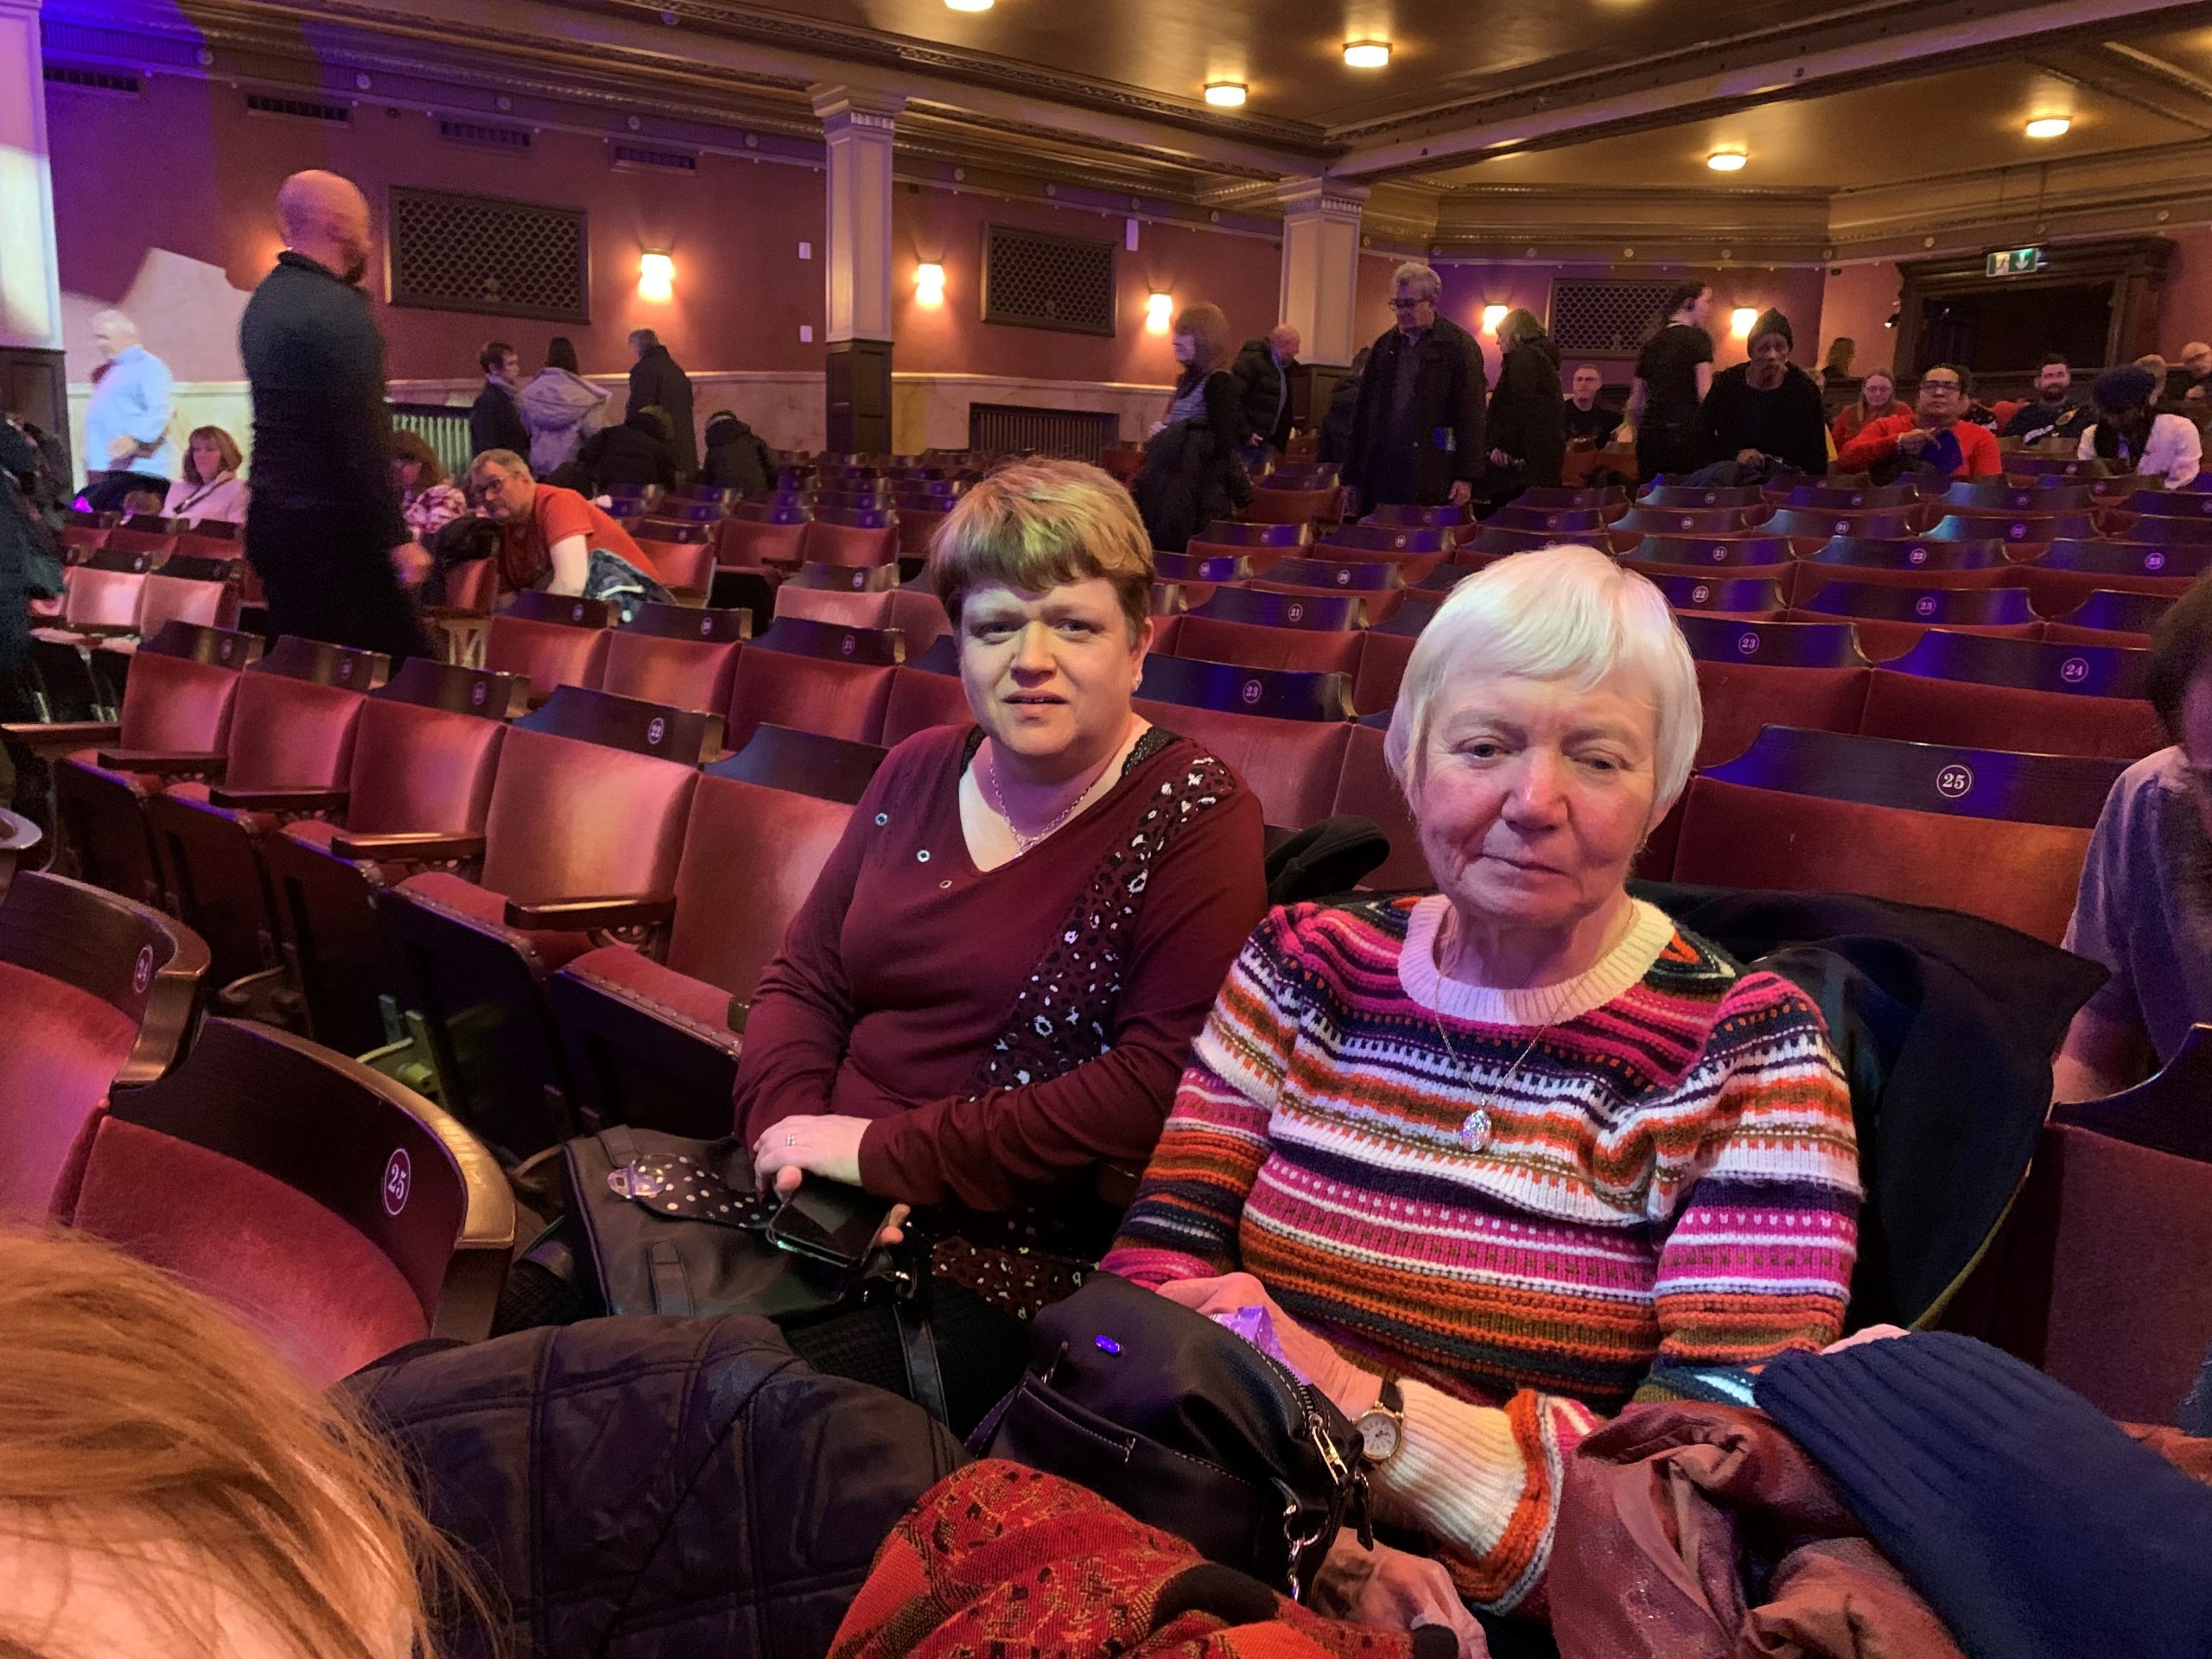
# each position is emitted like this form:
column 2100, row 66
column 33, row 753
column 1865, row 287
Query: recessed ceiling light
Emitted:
column 1225, row 94
column 969, row 5
column 1367, row 55
column 1726, row 160
column 2049, row 126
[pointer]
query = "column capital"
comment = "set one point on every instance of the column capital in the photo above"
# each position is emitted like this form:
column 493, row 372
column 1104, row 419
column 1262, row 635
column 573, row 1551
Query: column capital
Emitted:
column 1339, row 197
column 19, row 8
column 845, row 107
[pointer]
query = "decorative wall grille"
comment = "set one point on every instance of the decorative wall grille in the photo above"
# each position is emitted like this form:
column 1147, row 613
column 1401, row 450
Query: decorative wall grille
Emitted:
column 636, row 158
column 1013, row 428
column 481, row 253
column 1038, row 281
column 1611, row 318
column 263, row 104
column 92, row 80
column 478, row 135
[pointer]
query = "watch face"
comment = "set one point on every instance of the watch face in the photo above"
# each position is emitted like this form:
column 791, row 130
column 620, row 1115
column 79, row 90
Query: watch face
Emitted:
column 1379, row 1431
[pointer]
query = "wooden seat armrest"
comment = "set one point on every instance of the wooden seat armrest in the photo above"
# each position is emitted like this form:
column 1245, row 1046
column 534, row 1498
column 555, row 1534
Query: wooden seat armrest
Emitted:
column 60, row 736
column 425, row 847
column 279, row 800
column 592, row 915
column 164, row 763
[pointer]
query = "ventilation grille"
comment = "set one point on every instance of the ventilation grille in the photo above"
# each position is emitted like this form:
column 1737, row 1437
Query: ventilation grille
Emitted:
column 263, row 104
column 1037, row 281
column 479, row 254
column 513, row 140
column 93, row 80
column 1066, row 434
column 1611, row 318
column 633, row 156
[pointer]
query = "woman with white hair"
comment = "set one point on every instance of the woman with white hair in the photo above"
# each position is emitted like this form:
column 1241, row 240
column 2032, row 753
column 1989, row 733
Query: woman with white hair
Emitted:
column 1487, row 1157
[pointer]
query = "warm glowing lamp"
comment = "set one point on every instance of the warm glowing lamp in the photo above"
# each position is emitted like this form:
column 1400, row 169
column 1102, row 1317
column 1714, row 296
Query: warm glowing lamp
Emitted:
column 1367, row 55
column 1740, row 320
column 969, row 5
column 1728, row 161
column 929, row 284
column 656, row 277
column 1492, row 316
column 1225, row 94
column 1157, row 310
column 2049, row 126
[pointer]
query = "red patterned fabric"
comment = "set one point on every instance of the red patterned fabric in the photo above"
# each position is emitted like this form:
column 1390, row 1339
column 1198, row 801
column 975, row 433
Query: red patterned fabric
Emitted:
column 1006, row 1560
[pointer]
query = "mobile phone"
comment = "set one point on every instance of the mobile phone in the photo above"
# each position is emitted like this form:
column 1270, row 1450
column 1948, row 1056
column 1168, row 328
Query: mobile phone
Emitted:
column 830, row 1221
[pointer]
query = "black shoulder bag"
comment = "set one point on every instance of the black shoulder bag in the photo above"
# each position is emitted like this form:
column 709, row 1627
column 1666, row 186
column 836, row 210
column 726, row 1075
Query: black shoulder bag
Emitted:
column 1188, row 1428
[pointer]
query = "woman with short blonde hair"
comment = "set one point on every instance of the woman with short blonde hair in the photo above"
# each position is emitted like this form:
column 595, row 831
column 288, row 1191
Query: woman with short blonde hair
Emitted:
column 991, row 989
column 1486, row 1157
column 1191, row 475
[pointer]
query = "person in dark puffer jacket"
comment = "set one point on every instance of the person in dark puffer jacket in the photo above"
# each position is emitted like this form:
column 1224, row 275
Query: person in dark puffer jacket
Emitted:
column 678, row 1487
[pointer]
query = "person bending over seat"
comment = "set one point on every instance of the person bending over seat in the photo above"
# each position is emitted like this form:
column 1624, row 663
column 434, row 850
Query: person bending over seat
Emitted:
column 2145, row 907
column 1485, row 1158
column 2130, row 429
column 169, row 1490
column 993, row 984
column 548, row 534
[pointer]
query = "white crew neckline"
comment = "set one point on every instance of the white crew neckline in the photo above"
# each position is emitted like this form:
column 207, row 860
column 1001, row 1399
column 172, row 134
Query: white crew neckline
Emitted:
column 1649, row 930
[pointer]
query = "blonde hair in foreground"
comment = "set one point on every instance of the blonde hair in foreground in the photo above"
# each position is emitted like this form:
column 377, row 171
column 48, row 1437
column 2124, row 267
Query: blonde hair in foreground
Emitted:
column 161, row 1467
column 1566, row 613
column 1034, row 524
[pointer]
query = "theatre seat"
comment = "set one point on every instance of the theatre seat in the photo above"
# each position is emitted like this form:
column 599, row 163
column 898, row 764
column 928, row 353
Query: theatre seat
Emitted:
column 1380, row 580
column 2109, row 610
column 1891, row 619
column 1902, row 562
column 98, row 993
column 2069, row 571
column 761, row 534
column 2015, row 693
column 926, row 691
column 1566, row 523
column 340, row 1215
column 1382, row 657
column 1999, row 836
column 918, row 615
column 1231, row 535
column 1365, row 787
column 1707, row 495
column 839, row 609
column 588, row 804
column 1720, row 556
column 1498, row 539
column 1283, row 733
column 852, row 535
column 1641, row 521
column 550, row 641
column 816, row 676
column 678, row 654
column 1274, row 506
column 1405, row 516
column 685, row 568
column 650, row 1042
column 1850, row 498
column 425, row 749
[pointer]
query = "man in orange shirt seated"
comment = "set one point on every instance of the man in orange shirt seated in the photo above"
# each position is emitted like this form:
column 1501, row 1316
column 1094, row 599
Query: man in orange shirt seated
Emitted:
column 547, row 533
column 1934, row 435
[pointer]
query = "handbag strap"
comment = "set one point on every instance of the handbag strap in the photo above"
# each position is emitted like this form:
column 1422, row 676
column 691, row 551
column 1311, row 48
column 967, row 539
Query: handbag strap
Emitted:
column 917, row 1347
column 672, row 1290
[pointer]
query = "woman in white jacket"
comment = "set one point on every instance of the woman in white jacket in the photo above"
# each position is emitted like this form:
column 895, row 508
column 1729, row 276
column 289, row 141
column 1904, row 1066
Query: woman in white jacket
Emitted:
column 560, row 408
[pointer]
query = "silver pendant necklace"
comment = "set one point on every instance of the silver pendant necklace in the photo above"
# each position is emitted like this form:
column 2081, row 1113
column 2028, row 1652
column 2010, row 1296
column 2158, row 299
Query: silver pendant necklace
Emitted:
column 1022, row 843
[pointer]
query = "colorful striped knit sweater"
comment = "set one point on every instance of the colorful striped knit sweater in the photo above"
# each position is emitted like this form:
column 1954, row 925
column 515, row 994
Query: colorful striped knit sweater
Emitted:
column 1671, row 1178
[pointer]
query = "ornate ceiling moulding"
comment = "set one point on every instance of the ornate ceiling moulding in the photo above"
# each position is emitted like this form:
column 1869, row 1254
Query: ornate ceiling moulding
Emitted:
column 850, row 44
column 1085, row 195
column 1715, row 219
column 1030, row 131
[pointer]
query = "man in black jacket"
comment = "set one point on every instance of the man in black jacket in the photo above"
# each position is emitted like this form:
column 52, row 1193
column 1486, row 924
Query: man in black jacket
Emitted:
column 1766, row 408
column 1262, row 375
column 1417, row 437
column 323, row 529
column 655, row 381
column 495, row 420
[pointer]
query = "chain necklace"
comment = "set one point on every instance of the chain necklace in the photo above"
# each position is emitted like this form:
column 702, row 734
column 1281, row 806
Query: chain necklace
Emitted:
column 1022, row 843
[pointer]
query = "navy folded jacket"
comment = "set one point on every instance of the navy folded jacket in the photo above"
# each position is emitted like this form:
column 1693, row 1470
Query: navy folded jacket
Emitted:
column 2030, row 1523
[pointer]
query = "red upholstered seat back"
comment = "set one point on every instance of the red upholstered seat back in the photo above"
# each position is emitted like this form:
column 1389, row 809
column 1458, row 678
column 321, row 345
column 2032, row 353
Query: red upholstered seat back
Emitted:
column 1924, row 710
column 834, row 543
column 916, row 614
column 750, row 857
column 920, row 700
column 1366, row 787
column 547, row 654
column 1739, row 698
column 291, row 734
column 2023, row 875
column 814, row 694
column 570, row 819
column 179, row 599
column 177, row 705
column 325, row 1295
column 92, row 597
column 742, row 541
column 680, row 564
column 417, row 768
column 1292, row 765
column 64, row 1047
column 1382, row 665
column 684, row 673
column 1209, row 640
column 844, row 610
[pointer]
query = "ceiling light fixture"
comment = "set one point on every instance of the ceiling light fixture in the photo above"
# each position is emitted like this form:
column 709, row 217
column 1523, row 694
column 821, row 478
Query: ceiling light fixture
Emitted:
column 1367, row 55
column 969, row 5
column 1726, row 160
column 1225, row 94
column 2049, row 126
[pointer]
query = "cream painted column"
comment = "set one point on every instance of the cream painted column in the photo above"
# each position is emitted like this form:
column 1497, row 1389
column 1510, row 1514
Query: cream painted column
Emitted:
column 1321, row 267
column 858, row 125
column 30, row 271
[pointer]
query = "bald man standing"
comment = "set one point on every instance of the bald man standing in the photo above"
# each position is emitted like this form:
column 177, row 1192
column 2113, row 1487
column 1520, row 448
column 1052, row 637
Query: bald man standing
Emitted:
column 323, row 529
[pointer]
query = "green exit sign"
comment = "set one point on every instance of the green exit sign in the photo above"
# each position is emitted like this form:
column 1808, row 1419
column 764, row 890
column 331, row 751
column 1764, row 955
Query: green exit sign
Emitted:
column 2015, row 262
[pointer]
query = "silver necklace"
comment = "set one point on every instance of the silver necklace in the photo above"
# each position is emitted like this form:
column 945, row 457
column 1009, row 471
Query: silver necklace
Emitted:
column 1022, row 843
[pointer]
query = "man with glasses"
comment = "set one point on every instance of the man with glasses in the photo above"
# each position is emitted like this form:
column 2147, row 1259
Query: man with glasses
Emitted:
column 1417, row 435
column 1935, row 436
column 2144, row 908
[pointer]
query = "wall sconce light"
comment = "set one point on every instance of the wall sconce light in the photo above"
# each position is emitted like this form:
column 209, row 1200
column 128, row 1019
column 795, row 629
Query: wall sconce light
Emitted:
column 1158, row 310
column 929, row 283
column 1492, row 316
column 1740, row 320
column 656, row 277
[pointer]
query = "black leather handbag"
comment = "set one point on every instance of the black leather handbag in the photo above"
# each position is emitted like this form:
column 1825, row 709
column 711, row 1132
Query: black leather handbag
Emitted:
column 1187, row 1428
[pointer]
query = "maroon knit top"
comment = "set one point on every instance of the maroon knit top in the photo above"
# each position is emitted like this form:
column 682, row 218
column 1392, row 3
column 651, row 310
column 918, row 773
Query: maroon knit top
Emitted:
column 904, row 967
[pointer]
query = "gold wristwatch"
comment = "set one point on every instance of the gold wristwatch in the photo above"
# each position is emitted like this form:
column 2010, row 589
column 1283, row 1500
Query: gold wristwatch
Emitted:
column 1383, row 1425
